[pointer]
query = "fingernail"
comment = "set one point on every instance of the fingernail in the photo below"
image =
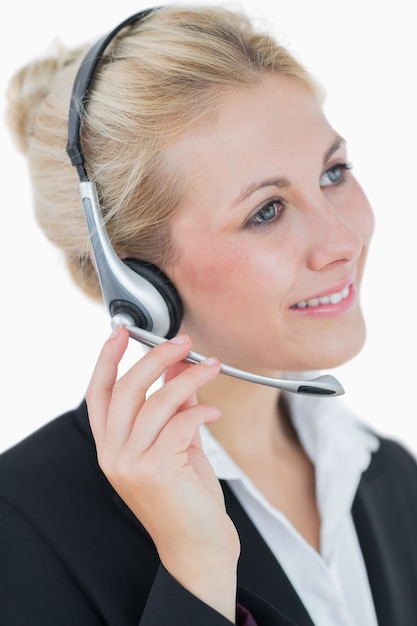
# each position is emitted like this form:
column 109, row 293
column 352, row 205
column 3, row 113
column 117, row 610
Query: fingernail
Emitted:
column 115, row 331
column 180, row 339
column 213, row 415
column 211, row 360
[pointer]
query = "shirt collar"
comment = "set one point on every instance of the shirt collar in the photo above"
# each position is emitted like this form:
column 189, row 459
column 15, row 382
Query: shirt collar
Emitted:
column 338, row 443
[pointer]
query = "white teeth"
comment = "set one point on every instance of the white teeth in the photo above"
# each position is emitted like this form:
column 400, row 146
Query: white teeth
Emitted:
column 333, row 298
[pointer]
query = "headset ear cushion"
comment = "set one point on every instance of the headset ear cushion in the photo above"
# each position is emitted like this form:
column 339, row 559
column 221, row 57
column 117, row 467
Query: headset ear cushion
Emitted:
column 161, row 282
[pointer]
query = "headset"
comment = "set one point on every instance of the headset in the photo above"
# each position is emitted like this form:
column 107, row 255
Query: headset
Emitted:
column 137, row 294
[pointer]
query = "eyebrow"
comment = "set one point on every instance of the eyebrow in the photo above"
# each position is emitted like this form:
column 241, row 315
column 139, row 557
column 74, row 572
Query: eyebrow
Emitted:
column 282, row 181
column 337, row 143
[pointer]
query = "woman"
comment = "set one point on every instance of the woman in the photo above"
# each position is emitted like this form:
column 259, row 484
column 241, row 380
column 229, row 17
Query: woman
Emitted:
column 211, row 499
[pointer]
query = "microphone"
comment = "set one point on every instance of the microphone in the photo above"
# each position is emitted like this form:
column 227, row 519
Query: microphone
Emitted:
column 324, row 385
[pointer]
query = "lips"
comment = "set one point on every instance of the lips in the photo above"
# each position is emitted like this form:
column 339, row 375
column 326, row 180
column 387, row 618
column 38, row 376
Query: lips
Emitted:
column 332, row 298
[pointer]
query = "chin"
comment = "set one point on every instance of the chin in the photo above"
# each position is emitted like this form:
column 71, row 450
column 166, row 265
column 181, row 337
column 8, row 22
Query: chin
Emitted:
column 342, row 351
column 328, row 351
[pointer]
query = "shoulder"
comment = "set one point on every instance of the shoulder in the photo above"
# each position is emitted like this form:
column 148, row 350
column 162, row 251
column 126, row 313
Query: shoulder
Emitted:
column 52, row 478
column 61, row 449
column 390, row 482
column 393, row 458
column 60, row 516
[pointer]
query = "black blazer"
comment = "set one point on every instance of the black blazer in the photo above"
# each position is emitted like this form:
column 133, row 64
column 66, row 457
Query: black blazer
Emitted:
column 73, row 554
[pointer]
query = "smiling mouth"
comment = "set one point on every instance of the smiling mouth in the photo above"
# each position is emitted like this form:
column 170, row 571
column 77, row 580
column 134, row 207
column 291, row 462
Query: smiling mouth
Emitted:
column 332, row 298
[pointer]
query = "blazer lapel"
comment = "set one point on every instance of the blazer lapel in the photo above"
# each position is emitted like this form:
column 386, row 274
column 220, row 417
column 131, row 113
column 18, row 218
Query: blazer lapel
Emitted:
column 385, row 516
column 259, row 571
column 263, row 585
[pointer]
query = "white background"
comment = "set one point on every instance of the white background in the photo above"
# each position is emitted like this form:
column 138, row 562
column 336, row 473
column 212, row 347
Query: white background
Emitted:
column 364, row 52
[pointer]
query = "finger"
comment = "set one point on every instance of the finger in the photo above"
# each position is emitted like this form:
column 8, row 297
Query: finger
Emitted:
column 182, row 431
column 174, row 370
column 130, row 391
column 100, row 388
column 159, row 465
column 164, row 403
column 171, row 373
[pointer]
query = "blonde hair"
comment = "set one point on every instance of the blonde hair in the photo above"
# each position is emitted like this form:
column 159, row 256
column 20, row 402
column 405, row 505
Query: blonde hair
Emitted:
column 158, row 79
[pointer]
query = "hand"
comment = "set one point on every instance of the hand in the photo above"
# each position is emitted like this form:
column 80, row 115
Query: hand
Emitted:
column 149, row 449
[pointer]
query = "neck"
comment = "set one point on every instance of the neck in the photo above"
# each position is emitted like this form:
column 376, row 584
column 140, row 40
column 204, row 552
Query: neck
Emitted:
column 253, row 417
column 255, row 430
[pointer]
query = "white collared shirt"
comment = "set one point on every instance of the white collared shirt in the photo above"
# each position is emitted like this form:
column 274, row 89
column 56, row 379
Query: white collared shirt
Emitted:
column 333, row 584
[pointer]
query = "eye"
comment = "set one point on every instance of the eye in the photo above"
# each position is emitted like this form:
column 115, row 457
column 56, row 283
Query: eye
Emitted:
column 268, row 214
column 335, row 175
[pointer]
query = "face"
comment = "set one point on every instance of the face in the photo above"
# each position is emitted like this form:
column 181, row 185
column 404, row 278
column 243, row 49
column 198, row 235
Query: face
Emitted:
column 272, row 234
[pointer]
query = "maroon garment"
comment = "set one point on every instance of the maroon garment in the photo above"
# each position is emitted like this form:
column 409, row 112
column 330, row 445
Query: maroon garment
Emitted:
column 243, row 617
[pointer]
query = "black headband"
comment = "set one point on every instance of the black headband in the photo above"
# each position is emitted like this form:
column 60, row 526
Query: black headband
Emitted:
column 80, row 91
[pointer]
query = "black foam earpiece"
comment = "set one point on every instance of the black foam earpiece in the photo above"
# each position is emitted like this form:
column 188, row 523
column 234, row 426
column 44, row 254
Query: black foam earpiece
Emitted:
column 156, row 277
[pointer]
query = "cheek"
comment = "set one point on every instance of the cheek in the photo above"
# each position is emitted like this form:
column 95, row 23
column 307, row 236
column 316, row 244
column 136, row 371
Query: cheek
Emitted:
column 233, row 271
column 228, row 288
column 208, row 270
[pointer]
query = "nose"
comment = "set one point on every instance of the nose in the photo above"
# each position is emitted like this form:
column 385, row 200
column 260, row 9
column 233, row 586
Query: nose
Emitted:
column 335, row 236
